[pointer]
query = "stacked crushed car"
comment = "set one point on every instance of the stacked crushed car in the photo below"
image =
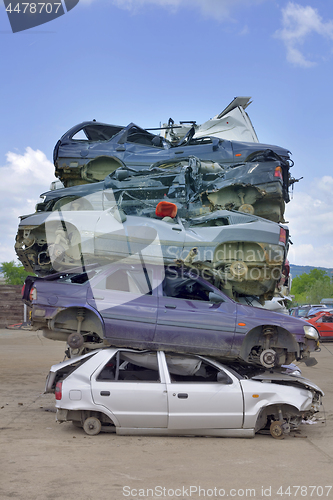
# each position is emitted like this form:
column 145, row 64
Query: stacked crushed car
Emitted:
column 161, row 243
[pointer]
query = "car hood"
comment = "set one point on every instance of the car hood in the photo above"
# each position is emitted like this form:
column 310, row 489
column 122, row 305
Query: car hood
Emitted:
column 283, row 377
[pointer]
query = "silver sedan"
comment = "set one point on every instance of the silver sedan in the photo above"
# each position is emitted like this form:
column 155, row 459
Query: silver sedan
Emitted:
column 157, row 393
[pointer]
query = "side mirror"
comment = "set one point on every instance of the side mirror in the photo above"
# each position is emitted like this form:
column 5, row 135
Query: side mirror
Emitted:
column 215, row 298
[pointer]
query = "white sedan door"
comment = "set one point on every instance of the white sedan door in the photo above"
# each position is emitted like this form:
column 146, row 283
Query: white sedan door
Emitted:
column 130, row 386
column 203, row 398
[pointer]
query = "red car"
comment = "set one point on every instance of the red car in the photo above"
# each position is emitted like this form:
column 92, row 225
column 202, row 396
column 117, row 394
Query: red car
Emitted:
column 323, row 321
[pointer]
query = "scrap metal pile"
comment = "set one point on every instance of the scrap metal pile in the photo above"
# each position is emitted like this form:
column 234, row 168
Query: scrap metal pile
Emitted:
column 213, row 203
column 164, row 244
column 207, row 207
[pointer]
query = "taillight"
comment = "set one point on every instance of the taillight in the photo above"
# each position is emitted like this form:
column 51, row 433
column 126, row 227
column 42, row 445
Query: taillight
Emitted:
column 166, row 209
column 278, row 173
column 22, row 291
column 283, row 236
column 33, row 294
column 58, row 391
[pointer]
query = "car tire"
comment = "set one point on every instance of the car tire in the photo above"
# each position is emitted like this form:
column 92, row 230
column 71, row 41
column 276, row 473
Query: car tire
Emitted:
column 92, row 426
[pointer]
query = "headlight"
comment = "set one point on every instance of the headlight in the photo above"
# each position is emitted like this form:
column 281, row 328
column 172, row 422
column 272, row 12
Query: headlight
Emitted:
column 310, row 332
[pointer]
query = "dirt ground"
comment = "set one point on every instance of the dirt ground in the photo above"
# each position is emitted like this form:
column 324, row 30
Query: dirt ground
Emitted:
column 42, row 460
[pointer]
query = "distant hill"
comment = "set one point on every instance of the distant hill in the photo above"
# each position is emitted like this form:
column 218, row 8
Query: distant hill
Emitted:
column 298, row 270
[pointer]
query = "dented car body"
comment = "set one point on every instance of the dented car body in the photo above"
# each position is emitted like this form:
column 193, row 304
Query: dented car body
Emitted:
column 259, row 186
column 233, row 124
column 158, row 393
column 241, row 253
column 163, row 308
column 91, row 150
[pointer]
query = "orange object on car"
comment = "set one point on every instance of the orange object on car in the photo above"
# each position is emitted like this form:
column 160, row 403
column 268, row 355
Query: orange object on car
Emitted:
column 166, row 209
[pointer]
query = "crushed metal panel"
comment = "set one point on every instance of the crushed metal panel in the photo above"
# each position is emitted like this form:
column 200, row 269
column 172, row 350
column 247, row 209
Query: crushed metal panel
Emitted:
column 232, row 124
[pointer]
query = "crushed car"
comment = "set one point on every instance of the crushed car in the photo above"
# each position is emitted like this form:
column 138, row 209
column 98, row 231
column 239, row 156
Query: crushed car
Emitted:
column 90, row 150
column 161, row 393
column 156, row 307
column 242, row 254
column 233, row 124
column 259, row 186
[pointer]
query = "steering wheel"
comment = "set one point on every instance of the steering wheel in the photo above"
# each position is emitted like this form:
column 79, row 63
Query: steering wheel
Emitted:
column 187, row 137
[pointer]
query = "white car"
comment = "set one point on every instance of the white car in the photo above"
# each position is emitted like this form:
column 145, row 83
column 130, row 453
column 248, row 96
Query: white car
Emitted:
column 158, row 393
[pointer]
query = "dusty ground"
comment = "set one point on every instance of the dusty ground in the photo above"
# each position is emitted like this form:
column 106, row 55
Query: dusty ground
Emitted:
column 40, row 459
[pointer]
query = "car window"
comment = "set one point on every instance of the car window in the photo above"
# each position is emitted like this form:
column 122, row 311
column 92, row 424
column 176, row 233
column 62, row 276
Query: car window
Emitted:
column 185, row 288
column 140, row 136
column 130, row 281
column 325, row 319
column 96, row 132
column 186, row 369
column 131, row 367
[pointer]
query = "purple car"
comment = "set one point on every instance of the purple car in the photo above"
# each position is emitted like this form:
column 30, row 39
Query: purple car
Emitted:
column 141, row 306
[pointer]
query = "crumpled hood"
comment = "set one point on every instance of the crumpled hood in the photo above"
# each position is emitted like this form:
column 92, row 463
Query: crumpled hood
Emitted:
column 282, row 377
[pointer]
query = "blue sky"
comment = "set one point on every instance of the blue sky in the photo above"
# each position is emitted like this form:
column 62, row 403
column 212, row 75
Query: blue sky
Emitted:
column 147, row 60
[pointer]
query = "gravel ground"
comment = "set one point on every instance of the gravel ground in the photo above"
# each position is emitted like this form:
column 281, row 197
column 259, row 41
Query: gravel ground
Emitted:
column 42, row 460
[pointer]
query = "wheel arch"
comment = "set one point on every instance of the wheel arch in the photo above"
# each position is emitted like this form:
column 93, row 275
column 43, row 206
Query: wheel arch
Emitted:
column 66, row 320
column 288, row 410
column 281, row 339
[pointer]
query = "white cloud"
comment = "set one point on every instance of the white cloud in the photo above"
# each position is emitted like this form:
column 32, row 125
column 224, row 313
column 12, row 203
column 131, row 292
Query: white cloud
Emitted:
column 22, row 180
column 310, row 217
column 298, row 24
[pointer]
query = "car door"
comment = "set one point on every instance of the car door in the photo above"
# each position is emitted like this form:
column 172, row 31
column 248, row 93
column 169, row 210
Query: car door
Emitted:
column 201, row 395
column 131, row 386
column 124, row 299
column 324, row 325
column 187, row 317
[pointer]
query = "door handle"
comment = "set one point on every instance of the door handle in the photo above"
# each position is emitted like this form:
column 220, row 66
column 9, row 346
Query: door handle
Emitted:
column 170, row 307
column 99, row 298
column 105, row 393
column 182, row 395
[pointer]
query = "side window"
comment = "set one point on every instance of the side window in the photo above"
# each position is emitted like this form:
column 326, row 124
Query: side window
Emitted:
column 140, row 136
column 131, row 367
column 184, row 288
column 131, row 281
column 185, row 369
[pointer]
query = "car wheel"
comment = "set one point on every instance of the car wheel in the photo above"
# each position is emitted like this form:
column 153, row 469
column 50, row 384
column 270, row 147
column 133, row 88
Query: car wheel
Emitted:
column 268, row 358
column 276, row 429
column 92, row 426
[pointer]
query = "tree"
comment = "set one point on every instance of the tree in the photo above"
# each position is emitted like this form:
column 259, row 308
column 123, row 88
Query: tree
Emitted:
column 311, row 287
column 14, row 274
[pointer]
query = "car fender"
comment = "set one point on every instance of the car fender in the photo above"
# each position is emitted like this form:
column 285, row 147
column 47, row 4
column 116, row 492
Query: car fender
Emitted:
column 257, row 397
